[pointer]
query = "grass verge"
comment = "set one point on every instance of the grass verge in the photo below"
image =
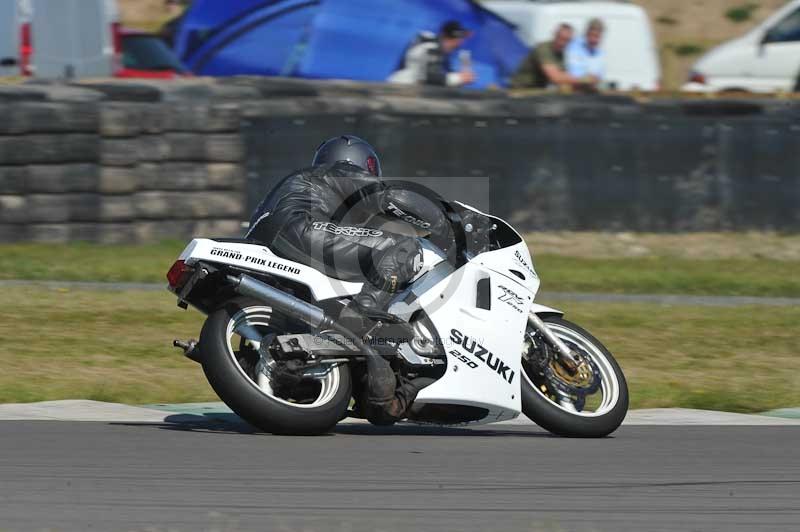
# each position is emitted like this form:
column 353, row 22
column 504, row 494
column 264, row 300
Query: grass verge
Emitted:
column 115, row 346
column 668, row 275
column 664, row 267
column 89, row 262
column 110, row 346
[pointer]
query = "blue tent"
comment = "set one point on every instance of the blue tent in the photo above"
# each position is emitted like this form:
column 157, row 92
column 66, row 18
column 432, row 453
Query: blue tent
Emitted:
column 343, row 39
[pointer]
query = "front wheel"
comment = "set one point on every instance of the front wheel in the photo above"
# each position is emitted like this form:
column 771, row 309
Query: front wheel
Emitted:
column 240, row 373
column 591, row 404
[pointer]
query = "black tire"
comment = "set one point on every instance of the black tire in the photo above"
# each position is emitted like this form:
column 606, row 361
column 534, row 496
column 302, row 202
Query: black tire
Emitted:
column 244, row 397
column 553, row 418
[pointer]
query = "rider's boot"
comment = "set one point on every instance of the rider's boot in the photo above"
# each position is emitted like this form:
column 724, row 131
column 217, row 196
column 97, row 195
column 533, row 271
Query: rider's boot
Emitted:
column 385, row 401
column 389, row 410
column 366, row 310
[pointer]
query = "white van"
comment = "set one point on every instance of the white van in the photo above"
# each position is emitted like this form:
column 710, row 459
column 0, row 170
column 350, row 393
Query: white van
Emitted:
column 59, row 38
column 632, row 57
column 766, row 59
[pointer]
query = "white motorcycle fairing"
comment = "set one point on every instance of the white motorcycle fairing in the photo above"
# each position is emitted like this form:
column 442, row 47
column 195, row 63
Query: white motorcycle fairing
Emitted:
column 480, row 312
column 260, row 259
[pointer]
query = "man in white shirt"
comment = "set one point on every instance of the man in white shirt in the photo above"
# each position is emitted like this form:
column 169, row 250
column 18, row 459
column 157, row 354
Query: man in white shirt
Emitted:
column 584, row 56
column 427, row 59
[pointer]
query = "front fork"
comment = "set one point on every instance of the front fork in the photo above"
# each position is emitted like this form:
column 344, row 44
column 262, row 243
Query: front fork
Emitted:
column 566, row 357
column 573, row 363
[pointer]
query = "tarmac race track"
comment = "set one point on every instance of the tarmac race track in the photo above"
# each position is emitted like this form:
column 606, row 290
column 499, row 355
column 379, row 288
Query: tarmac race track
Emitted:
column 210, row 475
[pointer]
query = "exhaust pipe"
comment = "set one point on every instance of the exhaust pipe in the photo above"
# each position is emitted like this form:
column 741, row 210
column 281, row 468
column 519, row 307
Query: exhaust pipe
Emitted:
column 292, row 306
column 297, row 308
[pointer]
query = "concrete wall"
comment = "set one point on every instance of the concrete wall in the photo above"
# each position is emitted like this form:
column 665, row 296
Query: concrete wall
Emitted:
column 116, row 161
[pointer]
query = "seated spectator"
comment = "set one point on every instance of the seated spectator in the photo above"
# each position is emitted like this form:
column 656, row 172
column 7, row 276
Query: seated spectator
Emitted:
column 584, row 57
column 544, row 66
column 427, row 59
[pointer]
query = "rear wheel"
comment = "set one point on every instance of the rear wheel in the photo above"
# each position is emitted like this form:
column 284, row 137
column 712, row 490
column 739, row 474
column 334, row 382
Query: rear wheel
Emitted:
column 590, row 405
column 242, row 374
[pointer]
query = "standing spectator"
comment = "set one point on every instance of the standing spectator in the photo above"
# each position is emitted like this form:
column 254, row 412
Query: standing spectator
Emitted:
column 427, row 59
column 585, row 57
column 175, row 10
column 544, row 66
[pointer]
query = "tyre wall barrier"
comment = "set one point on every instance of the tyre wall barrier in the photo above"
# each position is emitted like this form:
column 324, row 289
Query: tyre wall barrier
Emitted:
column 118, row 162
column 114, row 161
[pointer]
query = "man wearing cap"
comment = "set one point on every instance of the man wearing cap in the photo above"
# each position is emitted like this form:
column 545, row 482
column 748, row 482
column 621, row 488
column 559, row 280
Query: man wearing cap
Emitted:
column 427, row 59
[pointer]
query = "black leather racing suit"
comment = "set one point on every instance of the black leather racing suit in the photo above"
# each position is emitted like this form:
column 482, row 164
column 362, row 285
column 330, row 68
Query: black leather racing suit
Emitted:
column 321, row 216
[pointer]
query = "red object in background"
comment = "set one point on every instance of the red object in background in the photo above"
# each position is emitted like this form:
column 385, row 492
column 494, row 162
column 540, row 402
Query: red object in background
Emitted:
column 116, row 38
column 697, row 77
column 144, row 55
column 137, row 54
column 146, row 74
column 25, row 49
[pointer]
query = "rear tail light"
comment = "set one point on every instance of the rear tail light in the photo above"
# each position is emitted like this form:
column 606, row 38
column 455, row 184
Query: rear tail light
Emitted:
column 26, row 49
column 697, row 77
column 116, row 38
column 179, row 274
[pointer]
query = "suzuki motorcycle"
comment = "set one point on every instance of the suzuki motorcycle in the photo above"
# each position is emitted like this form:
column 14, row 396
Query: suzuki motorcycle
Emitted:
column 274, row 353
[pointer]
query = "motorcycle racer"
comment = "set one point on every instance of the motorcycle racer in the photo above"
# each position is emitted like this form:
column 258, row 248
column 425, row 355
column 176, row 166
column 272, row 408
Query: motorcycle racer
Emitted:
column 320, row 216
column 276, row 349
column 324, row 217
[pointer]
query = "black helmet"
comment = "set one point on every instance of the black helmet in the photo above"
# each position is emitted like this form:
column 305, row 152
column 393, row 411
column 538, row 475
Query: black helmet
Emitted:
column 350, row 149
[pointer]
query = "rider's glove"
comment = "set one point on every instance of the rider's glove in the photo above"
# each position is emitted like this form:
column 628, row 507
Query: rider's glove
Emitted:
column 395, row 266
